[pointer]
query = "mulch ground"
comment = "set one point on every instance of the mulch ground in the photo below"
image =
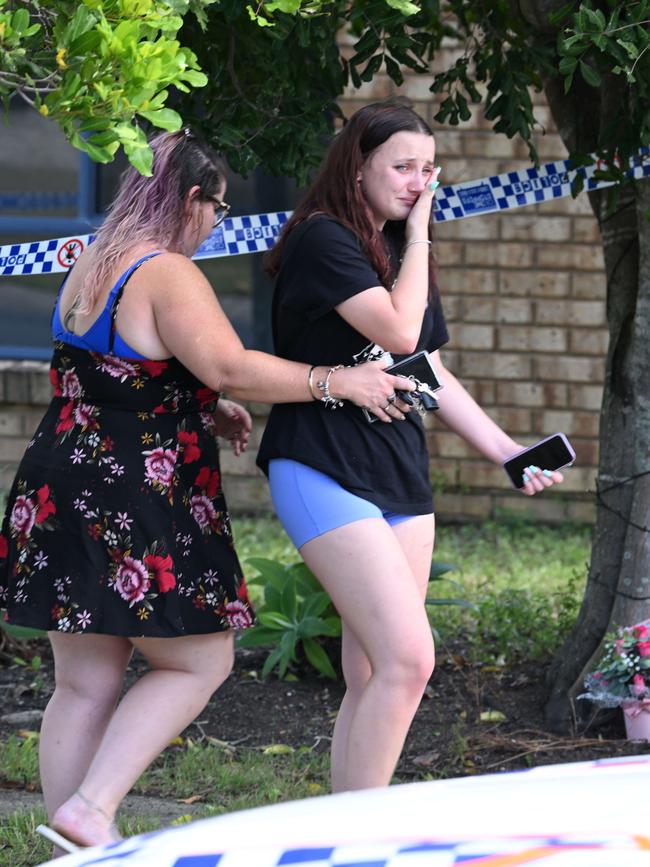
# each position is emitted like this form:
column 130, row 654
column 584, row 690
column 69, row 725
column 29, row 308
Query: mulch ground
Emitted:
column 473, row 719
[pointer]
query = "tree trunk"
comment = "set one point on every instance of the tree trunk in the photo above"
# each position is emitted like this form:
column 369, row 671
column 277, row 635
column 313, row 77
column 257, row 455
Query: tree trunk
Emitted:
column 618, row 585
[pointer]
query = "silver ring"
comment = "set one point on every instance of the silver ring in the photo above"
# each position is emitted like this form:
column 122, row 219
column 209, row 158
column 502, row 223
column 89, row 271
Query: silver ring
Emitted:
column 392, row 398
column 387, row 407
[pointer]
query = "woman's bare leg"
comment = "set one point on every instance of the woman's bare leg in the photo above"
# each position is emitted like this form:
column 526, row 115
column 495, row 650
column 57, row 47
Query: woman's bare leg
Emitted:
column 184, row 674
column 89, row 673
column 416, row 538
column 365, row 570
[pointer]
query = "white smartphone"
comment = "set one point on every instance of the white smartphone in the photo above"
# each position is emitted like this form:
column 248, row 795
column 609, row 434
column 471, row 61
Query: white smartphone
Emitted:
column 551, row 453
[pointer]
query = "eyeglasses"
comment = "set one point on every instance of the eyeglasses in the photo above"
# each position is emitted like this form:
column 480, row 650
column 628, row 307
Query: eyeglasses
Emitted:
column 221, row 211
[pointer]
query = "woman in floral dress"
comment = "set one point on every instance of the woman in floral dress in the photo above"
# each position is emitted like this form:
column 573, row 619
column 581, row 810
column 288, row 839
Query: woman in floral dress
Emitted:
column 117, row 534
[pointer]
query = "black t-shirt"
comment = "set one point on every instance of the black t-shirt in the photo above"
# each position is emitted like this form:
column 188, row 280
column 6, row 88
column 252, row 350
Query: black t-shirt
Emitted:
column 322, row 266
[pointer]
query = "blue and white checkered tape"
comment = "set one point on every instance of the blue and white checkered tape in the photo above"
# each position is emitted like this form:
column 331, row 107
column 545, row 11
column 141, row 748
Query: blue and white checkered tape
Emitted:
column 575, row 849
column 257, row 233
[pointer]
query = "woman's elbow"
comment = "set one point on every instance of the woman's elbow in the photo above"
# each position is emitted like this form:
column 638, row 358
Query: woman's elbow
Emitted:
column 401, row 343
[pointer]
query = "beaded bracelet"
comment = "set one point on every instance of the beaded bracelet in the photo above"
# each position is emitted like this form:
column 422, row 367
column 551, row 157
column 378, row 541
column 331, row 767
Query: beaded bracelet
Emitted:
column 324, row 386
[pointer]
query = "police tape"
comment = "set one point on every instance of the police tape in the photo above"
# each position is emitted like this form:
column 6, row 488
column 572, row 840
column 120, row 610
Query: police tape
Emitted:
column 257, row 233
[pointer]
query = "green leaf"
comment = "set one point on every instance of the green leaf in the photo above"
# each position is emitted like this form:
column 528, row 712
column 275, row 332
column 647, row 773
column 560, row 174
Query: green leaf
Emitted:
column 164, row 118
column 272, row 598
column 316, row 604
column 289, row 601
column 104, row 139
column 589, row 74
column 372, row 67
column 318, row 658
column 567, row 65
column 404, row 6
column 278, row 750
column 20, row 631
column 257, row 636
column 310, row 627
column 459, row 603
column 269, row 570
column 439, row 569
column 141, row 158
column 272, row 660
column 85, row 44
column 20, row 21
column 393, row 70
column 273, row 620
column 595, row 18
column 98, row 153
column 492, row 716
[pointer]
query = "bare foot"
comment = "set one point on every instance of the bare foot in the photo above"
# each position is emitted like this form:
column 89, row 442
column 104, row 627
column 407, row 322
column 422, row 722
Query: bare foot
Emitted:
column 84, row 822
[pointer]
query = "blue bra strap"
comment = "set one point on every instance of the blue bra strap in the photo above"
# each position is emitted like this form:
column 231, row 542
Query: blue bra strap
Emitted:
column 118, row 289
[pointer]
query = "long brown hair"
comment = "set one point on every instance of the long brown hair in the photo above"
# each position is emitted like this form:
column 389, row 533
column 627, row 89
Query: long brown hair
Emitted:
column 336, row 193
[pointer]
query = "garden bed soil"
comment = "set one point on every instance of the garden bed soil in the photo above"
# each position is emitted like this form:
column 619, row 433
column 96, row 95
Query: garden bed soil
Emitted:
column 473, row 719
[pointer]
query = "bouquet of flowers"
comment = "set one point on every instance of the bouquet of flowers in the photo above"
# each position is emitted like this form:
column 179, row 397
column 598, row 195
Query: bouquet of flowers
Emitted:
column 623, row 676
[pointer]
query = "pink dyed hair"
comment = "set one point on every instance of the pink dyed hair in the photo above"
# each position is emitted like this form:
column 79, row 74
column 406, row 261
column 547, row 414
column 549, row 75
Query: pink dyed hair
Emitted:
column 152, row 209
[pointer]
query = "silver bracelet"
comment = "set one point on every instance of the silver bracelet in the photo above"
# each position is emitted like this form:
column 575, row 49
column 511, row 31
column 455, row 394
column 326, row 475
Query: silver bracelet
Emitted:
column 324, row 386
column 417, row 241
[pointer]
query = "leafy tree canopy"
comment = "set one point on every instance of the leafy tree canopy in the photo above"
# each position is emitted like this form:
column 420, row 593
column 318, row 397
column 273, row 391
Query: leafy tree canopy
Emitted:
column 261, row 79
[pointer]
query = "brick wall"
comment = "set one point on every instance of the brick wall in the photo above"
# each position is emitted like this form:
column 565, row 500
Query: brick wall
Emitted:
column 524, row 294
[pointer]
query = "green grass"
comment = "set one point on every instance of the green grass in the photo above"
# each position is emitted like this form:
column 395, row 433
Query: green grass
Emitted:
column 229, row 779
column 221, row 778
column 20, row 845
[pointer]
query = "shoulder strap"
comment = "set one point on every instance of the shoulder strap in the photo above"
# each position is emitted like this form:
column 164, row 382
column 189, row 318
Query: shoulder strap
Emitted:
column 57, row 304
column 118, row 290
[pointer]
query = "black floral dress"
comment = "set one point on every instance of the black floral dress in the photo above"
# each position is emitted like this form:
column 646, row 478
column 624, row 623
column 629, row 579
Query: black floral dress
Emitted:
column 116, row 522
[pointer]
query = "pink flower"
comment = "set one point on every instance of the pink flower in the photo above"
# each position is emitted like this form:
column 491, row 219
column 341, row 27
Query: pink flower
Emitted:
column 202, row 510
column 83, row 413
column 238, row 615
column 132, row 580
column 117, row 367
column 618, row 645
column 70, row 385
column 159, row 466
column 642, row 631
column 638, row 685
column 644, row 648
column 23, row 515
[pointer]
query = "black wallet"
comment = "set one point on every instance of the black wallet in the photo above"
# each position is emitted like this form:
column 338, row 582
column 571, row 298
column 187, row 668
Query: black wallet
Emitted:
column 420, row 369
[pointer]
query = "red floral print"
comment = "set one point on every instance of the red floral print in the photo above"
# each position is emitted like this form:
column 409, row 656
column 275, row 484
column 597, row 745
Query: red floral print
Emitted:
column 160, row 569
column 66, row 419
column 191, row 451
column 208, row 480
column 45, row 506
column 154, row 368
